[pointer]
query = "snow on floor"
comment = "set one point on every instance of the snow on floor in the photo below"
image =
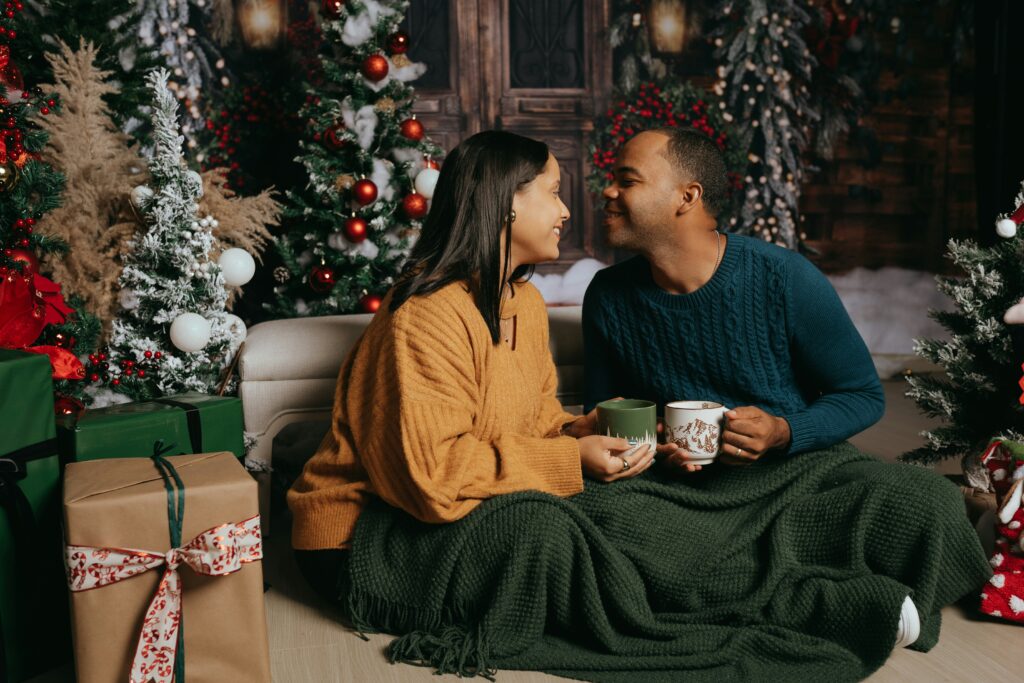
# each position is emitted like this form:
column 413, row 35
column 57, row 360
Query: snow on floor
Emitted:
column 888, row 306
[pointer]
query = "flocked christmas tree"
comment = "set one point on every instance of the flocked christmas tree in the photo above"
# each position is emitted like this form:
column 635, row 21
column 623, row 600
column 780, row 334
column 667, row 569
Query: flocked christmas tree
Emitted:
column 979, row 394
column 370, row 173
column 187, row 34
column 765, row 68
column 174, row 333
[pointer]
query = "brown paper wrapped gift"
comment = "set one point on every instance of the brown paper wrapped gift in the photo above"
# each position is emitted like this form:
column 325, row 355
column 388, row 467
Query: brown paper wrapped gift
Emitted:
column 122, row 503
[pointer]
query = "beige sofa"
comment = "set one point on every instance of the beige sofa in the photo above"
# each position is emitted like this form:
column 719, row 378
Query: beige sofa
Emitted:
column 288, row 370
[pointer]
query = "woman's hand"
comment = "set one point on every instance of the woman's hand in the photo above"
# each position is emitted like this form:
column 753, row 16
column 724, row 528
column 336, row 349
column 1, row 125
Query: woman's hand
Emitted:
column 601, row 458
column 585, row 425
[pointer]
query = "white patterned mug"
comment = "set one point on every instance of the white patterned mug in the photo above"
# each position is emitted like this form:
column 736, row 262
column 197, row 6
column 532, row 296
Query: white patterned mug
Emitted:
column 696, row 427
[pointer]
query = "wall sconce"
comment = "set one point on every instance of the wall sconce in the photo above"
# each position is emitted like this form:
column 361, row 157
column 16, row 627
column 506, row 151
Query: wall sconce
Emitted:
column 262, row 22
column 667, row 27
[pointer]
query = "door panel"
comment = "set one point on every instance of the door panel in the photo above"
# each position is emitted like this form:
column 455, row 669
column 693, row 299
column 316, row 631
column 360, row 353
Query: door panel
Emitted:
column 540, row 68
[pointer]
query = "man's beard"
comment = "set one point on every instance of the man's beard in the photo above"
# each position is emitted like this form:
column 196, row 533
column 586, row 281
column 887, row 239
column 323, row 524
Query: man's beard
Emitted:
column 629, row 235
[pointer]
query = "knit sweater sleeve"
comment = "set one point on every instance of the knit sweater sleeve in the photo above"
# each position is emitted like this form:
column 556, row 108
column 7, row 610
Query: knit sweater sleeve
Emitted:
column 831, row 362
column 430, row 463
column 598, row 365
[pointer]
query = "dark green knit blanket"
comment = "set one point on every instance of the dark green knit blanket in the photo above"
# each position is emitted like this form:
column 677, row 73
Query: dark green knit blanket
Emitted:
column 793, row 569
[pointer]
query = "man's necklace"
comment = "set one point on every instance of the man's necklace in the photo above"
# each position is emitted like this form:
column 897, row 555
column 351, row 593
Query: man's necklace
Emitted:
column 718, row 258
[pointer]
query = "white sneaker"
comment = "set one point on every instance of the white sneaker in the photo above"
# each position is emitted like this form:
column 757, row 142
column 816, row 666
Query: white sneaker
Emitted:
column 910, row 624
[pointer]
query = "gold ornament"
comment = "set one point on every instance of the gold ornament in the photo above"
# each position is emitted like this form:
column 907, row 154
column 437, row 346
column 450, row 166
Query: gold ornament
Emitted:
column 401, row 61
column 344, row 182
column 385, row 105
column 8, row 177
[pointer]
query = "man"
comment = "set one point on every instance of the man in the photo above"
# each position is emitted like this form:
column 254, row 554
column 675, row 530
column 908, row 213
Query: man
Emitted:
column 700, row 315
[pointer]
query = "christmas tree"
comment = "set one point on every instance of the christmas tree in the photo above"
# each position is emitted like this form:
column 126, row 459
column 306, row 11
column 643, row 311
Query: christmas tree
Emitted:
column 188, row 36
column 764, row 75
column 33, row 314
column 979, row 394
column 174, row 333
column 113, row 28
column 368, row 164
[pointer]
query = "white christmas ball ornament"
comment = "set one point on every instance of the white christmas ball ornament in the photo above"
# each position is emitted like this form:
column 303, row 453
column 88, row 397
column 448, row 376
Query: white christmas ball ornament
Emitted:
column 190, row 332
column 237, row 266
column 140, row 195
column 1006, row 228
column 426, row 181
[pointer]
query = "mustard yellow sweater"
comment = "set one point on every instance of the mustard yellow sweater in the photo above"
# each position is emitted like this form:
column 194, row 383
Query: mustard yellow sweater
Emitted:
column 434, row 418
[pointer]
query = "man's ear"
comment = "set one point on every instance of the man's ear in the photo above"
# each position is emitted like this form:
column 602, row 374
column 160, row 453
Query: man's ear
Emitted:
column 690, row 196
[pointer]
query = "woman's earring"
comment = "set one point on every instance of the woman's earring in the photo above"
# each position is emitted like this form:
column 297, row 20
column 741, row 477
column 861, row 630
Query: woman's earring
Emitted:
column 512, row 216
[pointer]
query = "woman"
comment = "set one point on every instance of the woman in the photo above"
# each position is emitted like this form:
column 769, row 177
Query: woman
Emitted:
column 448, row 398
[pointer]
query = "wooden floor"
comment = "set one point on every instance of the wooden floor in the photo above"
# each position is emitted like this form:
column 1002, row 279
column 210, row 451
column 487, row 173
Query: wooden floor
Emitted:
column 309, row 645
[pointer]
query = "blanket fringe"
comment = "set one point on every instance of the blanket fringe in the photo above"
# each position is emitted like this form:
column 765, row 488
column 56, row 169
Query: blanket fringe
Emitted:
column 430, row 638
column 448, row 650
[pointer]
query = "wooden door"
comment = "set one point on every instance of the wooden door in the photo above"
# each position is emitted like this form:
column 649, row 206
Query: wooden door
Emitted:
column 540, row 68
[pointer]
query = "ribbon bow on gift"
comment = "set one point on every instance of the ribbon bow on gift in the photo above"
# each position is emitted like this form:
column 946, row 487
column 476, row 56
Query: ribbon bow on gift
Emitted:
column 215, row 552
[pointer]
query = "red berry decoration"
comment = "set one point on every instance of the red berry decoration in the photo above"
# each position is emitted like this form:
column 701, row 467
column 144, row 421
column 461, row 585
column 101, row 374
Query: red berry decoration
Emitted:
column 399, row 43
column 332, row 8
column 321, row 279
column 364, row 192
column 370, row 303
column 332, row 137
column 355, row 230
column 412, row 129
column 29, row 260
column 375, row 67
column 414, row 205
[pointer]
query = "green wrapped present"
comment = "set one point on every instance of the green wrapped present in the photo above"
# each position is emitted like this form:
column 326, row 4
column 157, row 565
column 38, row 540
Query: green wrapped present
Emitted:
column 186, row 423
column 34, row 625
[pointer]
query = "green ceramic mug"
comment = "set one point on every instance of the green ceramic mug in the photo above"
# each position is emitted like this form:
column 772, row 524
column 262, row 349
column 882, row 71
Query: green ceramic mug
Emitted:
column 631, row 419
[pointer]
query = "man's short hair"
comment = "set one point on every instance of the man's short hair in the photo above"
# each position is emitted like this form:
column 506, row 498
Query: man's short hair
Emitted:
column 695, row 156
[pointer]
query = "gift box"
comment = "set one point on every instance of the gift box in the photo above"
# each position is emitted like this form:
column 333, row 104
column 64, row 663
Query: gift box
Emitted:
column 127, row 571
column 187, row 423
column 34, row 632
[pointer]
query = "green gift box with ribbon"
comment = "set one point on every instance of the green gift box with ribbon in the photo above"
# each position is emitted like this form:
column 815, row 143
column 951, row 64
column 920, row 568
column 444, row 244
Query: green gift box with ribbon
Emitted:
column 34, row 627
column 186, row 423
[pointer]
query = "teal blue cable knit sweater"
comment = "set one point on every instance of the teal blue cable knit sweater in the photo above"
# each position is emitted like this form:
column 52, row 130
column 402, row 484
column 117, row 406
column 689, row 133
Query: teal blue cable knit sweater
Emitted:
column 766, row 330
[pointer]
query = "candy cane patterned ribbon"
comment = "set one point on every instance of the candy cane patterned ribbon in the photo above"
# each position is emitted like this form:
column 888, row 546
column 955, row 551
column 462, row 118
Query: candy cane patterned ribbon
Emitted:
column 215, row 552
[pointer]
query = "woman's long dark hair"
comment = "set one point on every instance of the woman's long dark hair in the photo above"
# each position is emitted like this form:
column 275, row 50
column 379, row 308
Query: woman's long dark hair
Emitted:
column 462, row 234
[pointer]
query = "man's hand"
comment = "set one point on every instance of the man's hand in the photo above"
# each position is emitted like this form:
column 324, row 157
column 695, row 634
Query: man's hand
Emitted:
column 601, row 458
column 750, row 433
column 676, row 460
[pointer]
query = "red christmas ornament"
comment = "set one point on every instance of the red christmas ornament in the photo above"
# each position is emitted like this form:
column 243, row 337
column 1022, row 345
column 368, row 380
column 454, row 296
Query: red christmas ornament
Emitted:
column 332, row 8
column 414, row 205
column 412, row 129
column 332, row 137
column 355, row 230
column 430, row 163
column 399, row 43
column 64, row 341
column 364, row 192
column 321, row 279
column 65, row 406
column 375, row 67
column 370, row 303
column 30, row 261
